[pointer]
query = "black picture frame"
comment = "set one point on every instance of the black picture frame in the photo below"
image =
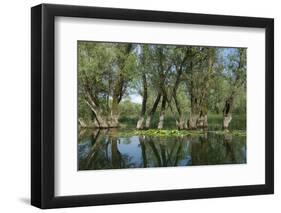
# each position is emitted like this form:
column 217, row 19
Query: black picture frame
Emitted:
column 43, row 102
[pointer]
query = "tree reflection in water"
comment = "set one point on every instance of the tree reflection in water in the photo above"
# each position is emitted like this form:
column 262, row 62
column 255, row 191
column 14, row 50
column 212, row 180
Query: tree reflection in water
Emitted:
column 101, row 150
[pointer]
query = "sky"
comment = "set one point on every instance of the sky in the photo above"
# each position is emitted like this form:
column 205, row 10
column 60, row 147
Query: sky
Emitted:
column 135, row 98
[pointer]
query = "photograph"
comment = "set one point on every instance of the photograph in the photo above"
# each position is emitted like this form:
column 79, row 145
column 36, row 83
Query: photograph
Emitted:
column 133, row 105
column 146, row 105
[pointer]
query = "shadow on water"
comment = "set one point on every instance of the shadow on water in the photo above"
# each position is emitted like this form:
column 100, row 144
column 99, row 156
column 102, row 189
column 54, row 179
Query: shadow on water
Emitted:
column 100, row 149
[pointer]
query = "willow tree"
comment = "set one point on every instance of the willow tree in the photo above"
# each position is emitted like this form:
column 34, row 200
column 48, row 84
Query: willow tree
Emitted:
column 199, row 81
column 154, row 68
column 181, row 58
column 236, row 76
column 208, row 75
column 194, row 80
column 147, row 81
column 143, row 67
column 162, row 69
column 104, row 72
column 159, row 67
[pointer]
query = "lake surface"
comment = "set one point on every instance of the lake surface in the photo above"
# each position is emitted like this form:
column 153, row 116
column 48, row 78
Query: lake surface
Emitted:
column 102, row 150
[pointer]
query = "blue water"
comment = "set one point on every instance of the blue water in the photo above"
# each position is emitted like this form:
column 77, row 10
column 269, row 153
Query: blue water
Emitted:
column 103, row 151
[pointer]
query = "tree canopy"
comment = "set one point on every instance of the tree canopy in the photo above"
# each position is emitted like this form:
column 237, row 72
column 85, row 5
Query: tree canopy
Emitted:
column 183, row 82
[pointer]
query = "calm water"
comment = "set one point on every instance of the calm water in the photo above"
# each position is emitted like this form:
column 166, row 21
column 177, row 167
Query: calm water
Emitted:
column 101, row 150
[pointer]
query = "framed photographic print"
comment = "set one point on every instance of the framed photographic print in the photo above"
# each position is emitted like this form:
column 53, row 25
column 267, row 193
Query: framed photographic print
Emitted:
column 139, row 106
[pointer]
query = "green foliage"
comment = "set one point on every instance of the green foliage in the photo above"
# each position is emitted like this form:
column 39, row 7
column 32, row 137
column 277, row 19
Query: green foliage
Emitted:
column 105, row 71
column 156, row 133
column 167, row 133
column 172, row 133
column 188, row 76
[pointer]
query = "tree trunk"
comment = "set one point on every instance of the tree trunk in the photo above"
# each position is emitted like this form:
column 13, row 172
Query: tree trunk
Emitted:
column 119, row 89
column 203, row 118
column 117, row 96
column 227, row 113
column 192, row 121
column 140, row 124
column 162, row 113
column 161, row 120
column 180, row 122
column 113, row 120
column 194, row 114
column 239, row 82
column 226, row 121
column 152, row 112
column 104, row 122
column 114, row 114
column 82, row 123
column 202, row 121
column 199, row 95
